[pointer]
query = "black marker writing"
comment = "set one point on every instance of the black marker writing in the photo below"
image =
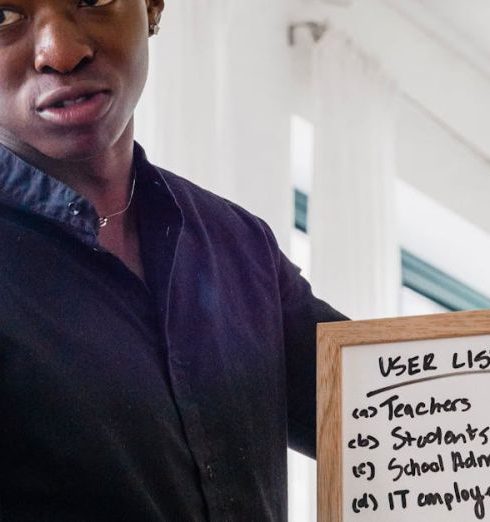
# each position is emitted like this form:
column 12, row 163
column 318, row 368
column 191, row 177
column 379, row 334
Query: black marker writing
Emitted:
column 438, row 436
column 469, row 461
column 397, row 409
column 365, row 470
column 410, row 366
column 480, row 360
column 368, row 442
column 367, row 501
column 365, row 413
column 401, row 496
column 458, row 495
column 414, row 468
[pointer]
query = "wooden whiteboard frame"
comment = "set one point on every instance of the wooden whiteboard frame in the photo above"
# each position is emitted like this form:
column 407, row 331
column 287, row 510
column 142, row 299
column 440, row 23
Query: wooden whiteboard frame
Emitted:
column 331, row 338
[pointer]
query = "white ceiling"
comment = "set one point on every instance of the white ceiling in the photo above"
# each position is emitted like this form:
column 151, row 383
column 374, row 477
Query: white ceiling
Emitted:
column 470, row 19
column 438, row 54
column 461, row 25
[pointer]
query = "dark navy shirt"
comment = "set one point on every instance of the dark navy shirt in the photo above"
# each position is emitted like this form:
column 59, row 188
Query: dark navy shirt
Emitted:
column 171, row 401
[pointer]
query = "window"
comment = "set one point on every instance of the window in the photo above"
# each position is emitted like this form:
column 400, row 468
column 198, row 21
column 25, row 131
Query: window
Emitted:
column 444, row 257
column 424, row 284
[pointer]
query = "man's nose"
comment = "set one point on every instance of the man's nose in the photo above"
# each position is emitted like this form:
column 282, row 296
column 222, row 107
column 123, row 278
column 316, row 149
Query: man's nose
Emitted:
column 61, row 45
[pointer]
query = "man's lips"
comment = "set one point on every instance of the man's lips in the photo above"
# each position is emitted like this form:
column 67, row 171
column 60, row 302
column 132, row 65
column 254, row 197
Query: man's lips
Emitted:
column 61, row 95
column 82, row 104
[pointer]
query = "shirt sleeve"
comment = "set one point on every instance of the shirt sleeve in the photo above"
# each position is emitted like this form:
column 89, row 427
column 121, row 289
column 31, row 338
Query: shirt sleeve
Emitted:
column 301, row 312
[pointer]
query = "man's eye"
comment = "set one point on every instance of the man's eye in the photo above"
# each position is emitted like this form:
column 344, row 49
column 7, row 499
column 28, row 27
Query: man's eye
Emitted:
column 8, row 17
column 94, row 3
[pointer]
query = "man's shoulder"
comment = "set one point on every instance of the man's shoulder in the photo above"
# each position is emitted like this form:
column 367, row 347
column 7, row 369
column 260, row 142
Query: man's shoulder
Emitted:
column 203, row 203
column 190, row 192
column 213, row 218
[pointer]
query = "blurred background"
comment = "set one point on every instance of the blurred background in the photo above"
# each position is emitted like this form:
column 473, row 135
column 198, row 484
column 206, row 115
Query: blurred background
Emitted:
column 358, row 129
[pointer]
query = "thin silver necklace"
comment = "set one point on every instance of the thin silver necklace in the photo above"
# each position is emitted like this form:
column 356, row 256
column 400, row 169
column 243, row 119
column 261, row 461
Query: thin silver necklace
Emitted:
column 103, row 220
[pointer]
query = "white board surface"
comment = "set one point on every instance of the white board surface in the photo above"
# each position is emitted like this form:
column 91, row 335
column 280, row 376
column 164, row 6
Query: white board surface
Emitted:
column 420, row 450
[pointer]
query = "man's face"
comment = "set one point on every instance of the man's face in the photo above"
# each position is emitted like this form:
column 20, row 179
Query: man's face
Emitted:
column 67, row 48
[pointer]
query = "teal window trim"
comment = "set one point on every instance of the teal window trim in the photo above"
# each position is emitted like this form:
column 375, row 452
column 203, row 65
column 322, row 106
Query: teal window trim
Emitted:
column 425, row 279
column 301, row 210
column 418, row 275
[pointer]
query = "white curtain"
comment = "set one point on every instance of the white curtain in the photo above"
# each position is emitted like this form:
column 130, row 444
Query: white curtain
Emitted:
column 355, row 261
column 216, row 106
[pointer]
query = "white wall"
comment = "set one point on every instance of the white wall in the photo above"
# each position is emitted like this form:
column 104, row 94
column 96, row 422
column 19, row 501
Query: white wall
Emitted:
column 440, row 165
column 216, row 108
column 444, row 122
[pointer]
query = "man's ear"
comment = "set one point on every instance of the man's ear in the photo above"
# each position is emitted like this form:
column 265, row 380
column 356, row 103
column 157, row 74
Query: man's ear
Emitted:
column 154, row 9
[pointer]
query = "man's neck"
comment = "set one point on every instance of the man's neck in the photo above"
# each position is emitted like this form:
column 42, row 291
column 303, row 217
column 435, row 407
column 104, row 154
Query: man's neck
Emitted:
column 105, row 178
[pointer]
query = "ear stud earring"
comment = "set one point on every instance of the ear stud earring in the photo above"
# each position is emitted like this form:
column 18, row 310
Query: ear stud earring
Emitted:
column 154, row 29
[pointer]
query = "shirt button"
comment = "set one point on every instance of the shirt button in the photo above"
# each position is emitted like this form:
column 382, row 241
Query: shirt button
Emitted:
column 157, row 183
column 74, row 208
column 210, row 471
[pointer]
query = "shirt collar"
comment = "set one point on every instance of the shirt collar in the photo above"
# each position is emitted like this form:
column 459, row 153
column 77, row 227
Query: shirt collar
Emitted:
column 27, row 188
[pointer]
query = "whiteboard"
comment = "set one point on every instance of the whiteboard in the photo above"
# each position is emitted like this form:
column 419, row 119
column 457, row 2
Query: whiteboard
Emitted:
column 413, row 427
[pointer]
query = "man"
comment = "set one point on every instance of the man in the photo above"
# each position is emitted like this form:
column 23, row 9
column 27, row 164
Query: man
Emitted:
column 157, row 350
